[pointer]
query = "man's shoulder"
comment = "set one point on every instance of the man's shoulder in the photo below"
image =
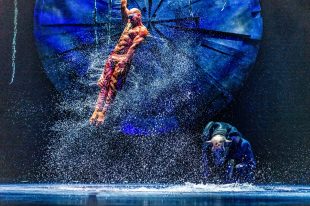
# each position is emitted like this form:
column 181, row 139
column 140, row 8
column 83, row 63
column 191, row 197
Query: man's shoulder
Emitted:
column 143, row 31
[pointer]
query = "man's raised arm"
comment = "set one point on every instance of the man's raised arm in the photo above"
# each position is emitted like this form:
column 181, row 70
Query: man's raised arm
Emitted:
column 125, row 10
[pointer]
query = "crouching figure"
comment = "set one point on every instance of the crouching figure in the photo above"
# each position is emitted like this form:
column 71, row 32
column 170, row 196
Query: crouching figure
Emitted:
column 227, row 157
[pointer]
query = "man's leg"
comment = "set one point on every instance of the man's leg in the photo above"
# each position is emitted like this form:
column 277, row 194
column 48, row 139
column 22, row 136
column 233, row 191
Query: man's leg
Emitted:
column 98, row 113
column 116, row 77
column 103, row 83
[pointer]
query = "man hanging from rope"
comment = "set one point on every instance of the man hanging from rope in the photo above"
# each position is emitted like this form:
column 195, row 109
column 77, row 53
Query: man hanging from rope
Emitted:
column 118, row 63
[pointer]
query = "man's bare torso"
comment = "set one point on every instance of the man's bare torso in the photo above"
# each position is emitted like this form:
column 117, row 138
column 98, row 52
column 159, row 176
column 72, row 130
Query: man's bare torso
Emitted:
column 127, row 39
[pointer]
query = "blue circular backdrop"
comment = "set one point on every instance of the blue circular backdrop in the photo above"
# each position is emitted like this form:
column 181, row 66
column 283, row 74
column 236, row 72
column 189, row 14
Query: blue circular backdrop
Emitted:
column 197, row 56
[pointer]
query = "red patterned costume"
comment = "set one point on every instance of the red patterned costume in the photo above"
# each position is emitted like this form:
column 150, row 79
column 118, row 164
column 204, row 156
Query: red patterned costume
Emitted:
column 118, row 63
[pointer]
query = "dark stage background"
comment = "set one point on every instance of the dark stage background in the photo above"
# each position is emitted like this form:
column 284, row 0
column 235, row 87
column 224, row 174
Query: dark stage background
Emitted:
column 272, row 110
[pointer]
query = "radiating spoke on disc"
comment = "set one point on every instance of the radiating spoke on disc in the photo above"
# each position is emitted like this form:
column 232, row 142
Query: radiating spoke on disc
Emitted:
column 215, row 33
column 158, row 6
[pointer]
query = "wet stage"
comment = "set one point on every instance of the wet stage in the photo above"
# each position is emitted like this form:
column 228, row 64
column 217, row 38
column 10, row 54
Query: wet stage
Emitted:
column 153, row 194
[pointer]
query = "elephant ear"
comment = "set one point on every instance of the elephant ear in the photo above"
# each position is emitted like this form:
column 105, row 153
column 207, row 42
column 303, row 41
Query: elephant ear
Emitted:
column 234, row 134
column 228, row 143
column 208, row 130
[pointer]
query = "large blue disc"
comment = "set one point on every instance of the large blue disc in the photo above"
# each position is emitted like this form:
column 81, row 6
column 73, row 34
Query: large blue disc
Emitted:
column 197, row 56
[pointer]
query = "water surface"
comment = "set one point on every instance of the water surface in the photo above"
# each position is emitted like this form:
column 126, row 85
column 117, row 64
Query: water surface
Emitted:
column 153, row 194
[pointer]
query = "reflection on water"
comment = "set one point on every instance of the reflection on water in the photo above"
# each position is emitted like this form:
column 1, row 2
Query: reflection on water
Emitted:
column 93, row 200
column 152, row 194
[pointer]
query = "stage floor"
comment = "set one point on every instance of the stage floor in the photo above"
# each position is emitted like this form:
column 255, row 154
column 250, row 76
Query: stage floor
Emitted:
column 153, row 194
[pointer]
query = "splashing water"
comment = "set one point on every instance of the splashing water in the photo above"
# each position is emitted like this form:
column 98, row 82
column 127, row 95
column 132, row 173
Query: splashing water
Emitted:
column 105, row 190
column 132, row 188
column 108, row 154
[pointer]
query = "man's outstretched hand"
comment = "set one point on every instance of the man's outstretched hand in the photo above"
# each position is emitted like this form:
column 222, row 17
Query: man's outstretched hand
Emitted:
column 97, row 118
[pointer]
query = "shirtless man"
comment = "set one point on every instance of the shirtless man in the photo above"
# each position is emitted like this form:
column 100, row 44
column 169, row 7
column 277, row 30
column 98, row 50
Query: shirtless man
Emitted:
column 118, row 63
